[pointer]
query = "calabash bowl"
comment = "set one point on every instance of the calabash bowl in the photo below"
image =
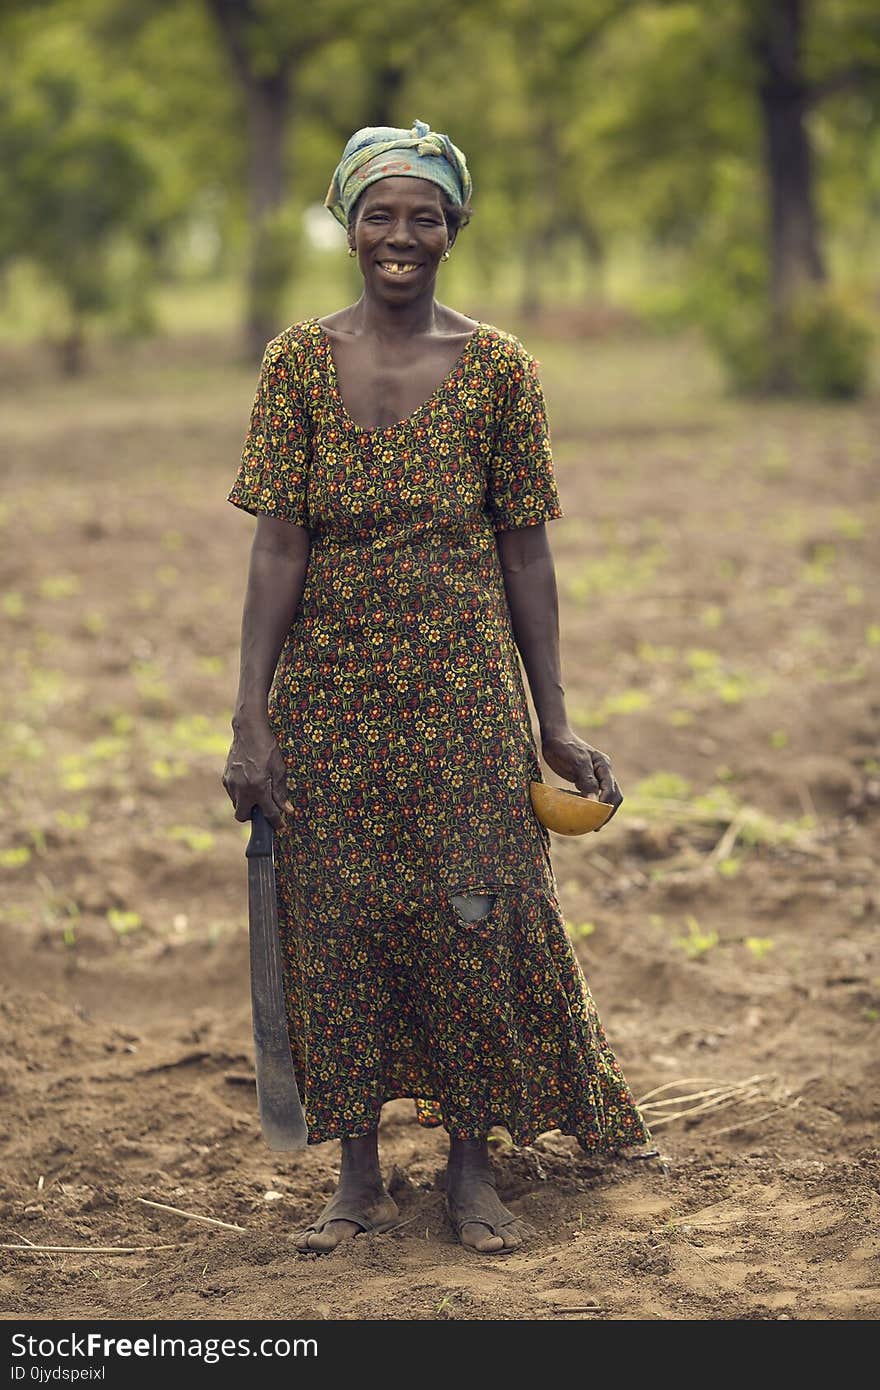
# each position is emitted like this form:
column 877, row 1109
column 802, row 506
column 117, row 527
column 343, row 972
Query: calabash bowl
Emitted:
column 567, row 812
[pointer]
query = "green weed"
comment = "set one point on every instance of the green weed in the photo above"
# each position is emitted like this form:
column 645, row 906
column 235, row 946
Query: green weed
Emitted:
column 819, row 568
column 697, row 942
column 15, row 858
column 199, row 841
column 760, row 946
column 656, row 655
column 58, row 586
column 168, row 770
column 579, row 931
column 848, row 524
column 712, row 616
column 624, row 702
column 13, row 605
column 123, row 922
column 94, row 623
column 680, row 718
column 616, row 571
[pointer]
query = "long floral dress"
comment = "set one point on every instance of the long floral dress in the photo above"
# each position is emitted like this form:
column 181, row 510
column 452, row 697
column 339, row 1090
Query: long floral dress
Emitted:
column 399, row 706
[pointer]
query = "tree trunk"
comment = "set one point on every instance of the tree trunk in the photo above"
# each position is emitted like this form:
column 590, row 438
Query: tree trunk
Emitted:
column 795, row 236
column 385, row 89
column 267, row 98
column 71, row 349
column 268, row 103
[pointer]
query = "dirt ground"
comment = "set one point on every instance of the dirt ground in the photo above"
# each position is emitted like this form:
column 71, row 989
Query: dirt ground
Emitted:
column 717, row 569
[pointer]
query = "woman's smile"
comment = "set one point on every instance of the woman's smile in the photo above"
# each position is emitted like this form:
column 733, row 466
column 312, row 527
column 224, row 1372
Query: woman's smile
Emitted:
column 399, row 267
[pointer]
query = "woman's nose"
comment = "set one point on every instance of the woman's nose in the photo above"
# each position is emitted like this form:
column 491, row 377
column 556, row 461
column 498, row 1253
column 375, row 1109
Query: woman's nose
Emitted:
column 400, row 234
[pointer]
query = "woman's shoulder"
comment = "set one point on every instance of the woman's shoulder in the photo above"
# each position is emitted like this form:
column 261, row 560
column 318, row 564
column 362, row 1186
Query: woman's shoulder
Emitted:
column 505, row 352
column 292, row 344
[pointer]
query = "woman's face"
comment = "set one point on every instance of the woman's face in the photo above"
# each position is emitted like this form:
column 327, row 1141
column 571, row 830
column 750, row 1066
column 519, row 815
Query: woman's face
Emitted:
column 400, row 233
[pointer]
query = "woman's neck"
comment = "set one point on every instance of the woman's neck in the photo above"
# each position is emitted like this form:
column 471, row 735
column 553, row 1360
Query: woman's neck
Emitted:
column 376, row 318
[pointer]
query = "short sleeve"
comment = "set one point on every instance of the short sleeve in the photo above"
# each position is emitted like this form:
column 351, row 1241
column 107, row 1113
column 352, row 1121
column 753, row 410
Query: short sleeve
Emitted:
column 521, row 484
column 274, row 471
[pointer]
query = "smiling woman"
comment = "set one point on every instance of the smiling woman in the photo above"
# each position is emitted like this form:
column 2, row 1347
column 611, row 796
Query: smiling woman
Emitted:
column 398, row 462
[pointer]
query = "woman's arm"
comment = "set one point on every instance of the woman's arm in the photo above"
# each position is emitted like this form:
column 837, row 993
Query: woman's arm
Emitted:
column 530, row 584
column 255, row 774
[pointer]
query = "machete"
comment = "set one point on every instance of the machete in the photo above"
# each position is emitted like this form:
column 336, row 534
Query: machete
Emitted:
column 281, row 1113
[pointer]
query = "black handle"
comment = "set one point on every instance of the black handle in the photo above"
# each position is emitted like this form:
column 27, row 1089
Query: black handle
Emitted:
column 262, row 835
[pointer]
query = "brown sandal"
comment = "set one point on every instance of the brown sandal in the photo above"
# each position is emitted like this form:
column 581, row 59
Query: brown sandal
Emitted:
column 372, row 1220
column 491, row 1227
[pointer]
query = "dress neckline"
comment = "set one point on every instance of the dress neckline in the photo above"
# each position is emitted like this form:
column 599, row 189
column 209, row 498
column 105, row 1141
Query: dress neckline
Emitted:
column 333, row 377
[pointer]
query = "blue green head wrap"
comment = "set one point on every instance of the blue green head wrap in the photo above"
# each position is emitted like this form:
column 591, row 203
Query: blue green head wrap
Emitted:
column 382, row 152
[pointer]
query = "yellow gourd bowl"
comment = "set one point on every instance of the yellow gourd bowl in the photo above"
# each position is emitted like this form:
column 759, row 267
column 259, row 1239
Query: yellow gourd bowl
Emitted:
column 566, row 812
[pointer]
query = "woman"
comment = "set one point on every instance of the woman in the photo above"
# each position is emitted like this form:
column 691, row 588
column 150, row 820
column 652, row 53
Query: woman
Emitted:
column 399, row 465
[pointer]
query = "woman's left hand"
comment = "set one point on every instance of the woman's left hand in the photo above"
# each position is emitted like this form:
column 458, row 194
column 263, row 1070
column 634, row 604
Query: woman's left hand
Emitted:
column 589, row 768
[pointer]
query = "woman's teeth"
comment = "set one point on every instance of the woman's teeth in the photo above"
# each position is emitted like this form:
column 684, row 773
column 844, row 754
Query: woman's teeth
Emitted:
column 397, row 267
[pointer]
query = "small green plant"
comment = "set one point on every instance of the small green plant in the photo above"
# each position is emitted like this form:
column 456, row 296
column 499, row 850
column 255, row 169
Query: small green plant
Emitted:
column 166, row 770
column 712, row 616
column 14, row 858
column 123, row 922
column 760, row 946
column 13, row 605
column 198, row 840
column 848, row 524
column 57, row 586
column 697, row 942
column 579, row 931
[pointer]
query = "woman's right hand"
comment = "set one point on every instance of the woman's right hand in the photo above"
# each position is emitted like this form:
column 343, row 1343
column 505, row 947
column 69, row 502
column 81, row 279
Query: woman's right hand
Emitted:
column 255, row 774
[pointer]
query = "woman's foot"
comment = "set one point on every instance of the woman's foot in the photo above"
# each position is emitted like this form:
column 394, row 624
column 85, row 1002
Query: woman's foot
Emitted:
column 474, row 1207
column 360, row 1202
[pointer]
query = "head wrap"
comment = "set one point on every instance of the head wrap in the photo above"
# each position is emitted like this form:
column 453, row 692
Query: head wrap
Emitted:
column 383, row 152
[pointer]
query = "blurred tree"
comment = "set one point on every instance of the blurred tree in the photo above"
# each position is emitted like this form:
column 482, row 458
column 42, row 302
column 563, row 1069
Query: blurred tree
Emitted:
column 76, row 184
column 269, row 43
column 787, row 96
column 553, row 46
column 643, row 140
column 777, row 37
column 708, row 125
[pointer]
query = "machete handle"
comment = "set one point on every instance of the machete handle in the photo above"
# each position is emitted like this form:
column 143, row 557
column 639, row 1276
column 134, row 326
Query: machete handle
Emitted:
column 262, row 836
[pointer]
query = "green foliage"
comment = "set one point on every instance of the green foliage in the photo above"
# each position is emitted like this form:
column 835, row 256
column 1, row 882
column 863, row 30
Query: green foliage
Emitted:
column 616, row 148
column 821, row 349
column 123, row 922
column 580, row 931
column 697, row 942
column 197, row 840
column 759, row 946
column 14, row 858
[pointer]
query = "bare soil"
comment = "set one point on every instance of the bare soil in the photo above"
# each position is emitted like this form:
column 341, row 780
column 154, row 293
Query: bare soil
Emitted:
column 717, row 570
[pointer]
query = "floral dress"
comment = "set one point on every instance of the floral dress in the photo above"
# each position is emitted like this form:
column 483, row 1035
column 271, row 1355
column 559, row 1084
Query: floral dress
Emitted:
column 400, row 709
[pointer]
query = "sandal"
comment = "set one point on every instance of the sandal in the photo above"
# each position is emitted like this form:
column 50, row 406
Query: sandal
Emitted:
column 381, row 1215
column 491, row 1227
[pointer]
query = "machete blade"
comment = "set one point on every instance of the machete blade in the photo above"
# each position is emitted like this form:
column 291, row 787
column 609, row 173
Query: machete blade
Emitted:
column 281, row 1113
